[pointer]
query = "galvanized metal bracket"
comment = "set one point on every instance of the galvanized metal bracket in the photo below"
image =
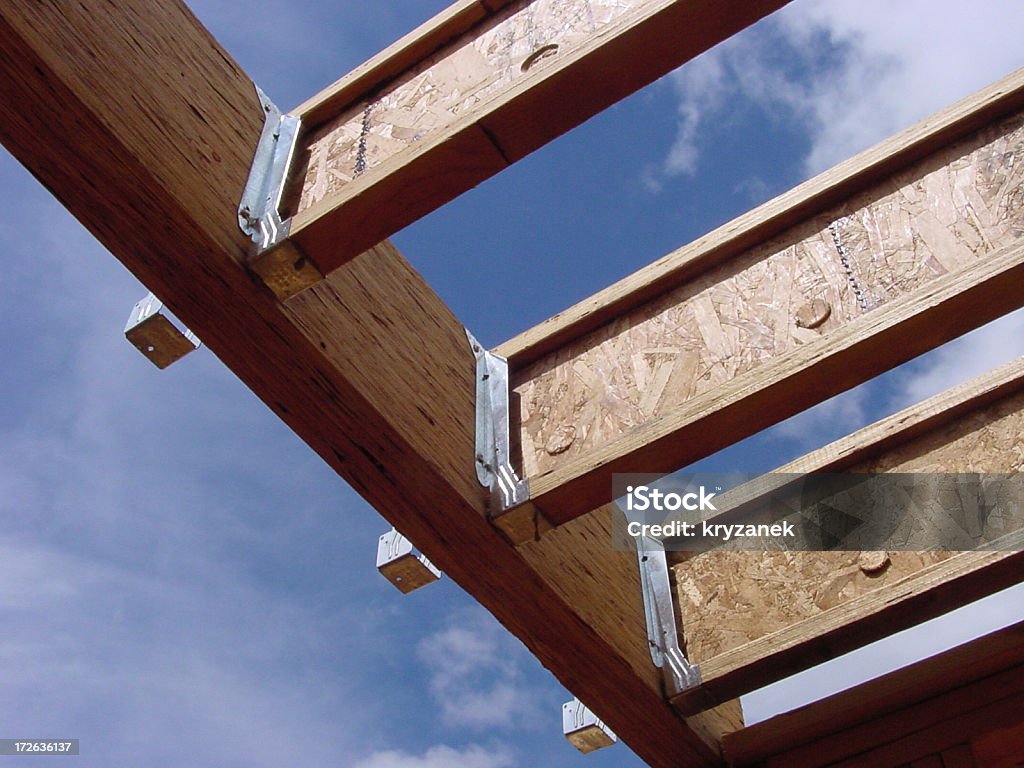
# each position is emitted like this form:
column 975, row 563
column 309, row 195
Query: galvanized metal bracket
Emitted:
column 259, row 212
column 584, row 729
column 493, row 463
column 397, row 562
column 152, row 333
column 662, row 635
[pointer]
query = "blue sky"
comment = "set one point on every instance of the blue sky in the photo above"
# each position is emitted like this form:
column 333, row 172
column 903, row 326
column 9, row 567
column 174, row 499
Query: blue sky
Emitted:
column 169, row 600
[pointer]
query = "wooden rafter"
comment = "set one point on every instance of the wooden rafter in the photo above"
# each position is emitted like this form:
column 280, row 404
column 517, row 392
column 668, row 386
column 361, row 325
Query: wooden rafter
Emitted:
column 961, row 697
column 888, row 255
column 469, row 93
column 974, row 427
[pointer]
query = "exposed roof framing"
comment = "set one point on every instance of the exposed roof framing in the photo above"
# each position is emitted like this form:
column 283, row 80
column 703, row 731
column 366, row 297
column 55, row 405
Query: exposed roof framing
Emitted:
column 145, row 128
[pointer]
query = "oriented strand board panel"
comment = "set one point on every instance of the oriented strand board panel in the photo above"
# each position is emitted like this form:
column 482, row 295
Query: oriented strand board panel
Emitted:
column 946, row 212
column 730, row 598
column 408, row 132
column 446, row 85
column 750, row 618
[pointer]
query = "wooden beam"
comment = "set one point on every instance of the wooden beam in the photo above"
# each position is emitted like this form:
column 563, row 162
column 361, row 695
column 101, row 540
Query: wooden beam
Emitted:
column 938, row 689
column 388, row 66
column 473, row 91
column 744, row 634
column 807, row 296
column 930, row 592
column 145, row 128
column 982, row 709
column 770, row 220
column 999, row 747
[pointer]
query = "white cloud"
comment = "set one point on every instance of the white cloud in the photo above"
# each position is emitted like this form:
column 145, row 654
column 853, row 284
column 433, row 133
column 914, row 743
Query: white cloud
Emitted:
column 440, row 757
column 148, row 559
column 902, row 61
column 477, row 675
column 966, row 357
column 848, row 72
column 702, row 89
column 826, row 421
column 135, row 665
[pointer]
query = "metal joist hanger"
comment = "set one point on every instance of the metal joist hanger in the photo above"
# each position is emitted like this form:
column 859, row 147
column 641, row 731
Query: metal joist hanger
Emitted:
column 662, row 634
column 493, row 456
column 155, row 336
column 259, row 212
column 273, row 258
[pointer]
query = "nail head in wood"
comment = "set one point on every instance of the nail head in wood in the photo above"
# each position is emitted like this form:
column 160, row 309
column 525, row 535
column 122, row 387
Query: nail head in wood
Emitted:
column 541, row 53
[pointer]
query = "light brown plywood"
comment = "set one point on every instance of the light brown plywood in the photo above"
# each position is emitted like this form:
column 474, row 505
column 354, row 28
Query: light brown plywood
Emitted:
column 929, row 221
column 770, row 219
column 396, row 60
column 730, row 598
column 891, row 272
column 739, row 608
column 484, row 97
column 455, row 80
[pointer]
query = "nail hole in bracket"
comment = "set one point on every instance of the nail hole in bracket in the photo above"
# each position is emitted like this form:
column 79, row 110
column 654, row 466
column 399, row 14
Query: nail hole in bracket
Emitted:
column 541, row 53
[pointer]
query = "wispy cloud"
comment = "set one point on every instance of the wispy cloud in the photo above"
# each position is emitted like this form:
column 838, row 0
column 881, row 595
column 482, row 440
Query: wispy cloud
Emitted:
column 183, row 668
column 846, row 73
column 441, row 757
column 477, row 675
column 826, row 421
column 970, row 355
column 166, row 546
column 902, row 61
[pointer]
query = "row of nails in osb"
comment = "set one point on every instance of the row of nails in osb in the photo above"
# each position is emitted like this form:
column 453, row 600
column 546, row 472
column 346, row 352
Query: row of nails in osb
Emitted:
column 947, row 211
column 726, row 599
column 451, row 82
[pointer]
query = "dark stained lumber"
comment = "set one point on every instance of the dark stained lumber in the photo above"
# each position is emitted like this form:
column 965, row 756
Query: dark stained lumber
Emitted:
column 888, row 707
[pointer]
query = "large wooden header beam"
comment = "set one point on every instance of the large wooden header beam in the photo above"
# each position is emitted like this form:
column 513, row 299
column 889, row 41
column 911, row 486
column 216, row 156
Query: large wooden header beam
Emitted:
column 145, row 128
column 963, row 708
